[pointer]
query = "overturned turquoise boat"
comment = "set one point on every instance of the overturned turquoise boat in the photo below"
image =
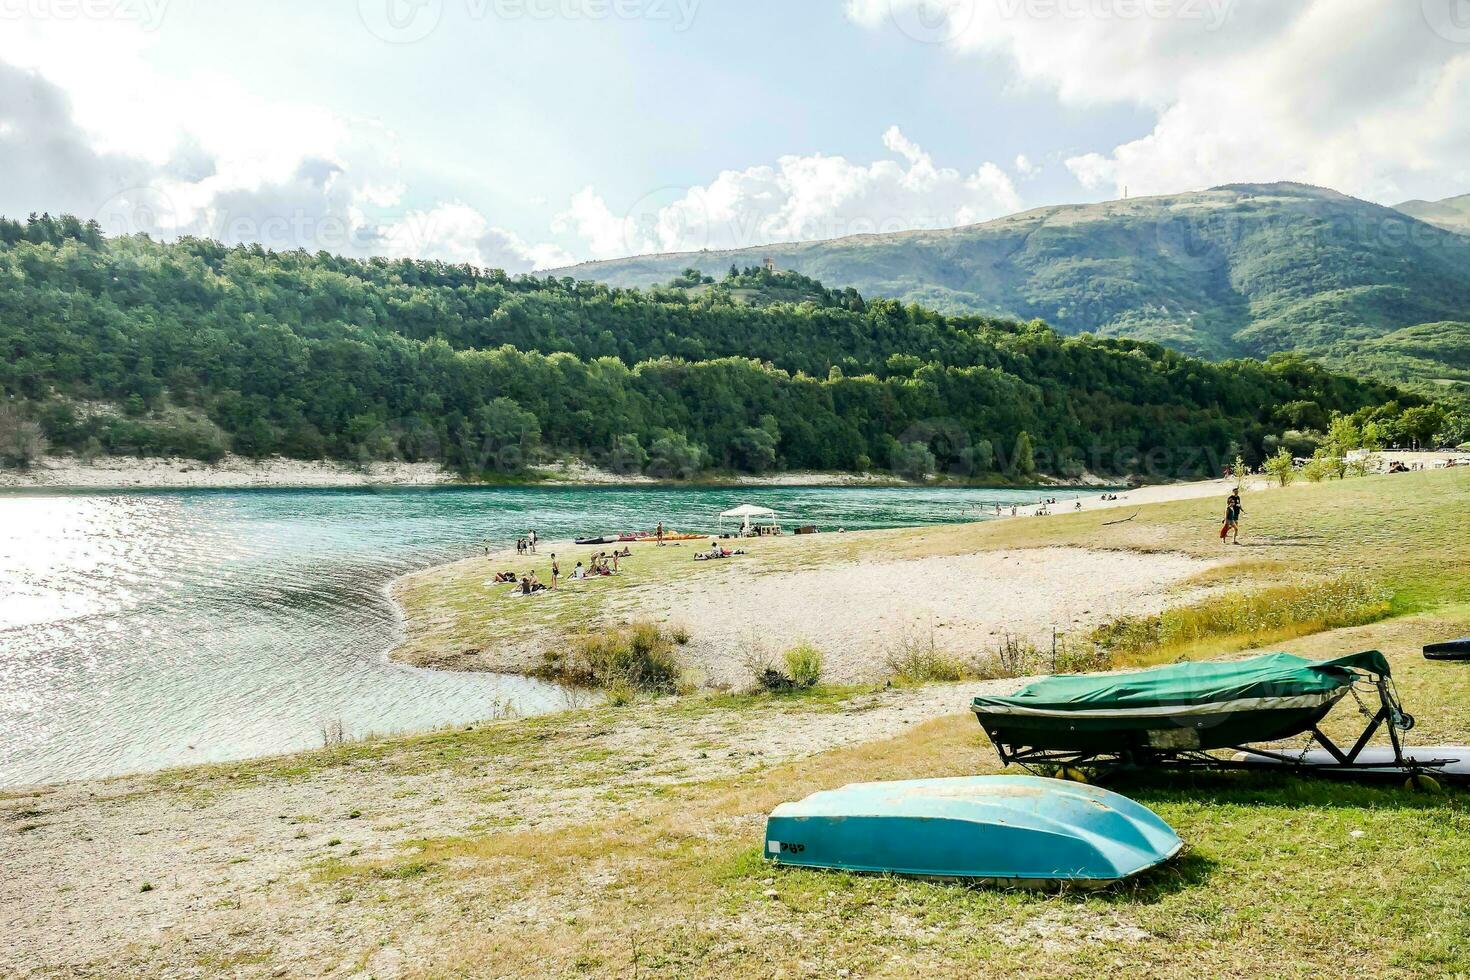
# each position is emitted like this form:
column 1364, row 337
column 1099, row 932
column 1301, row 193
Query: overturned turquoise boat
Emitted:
column 999, row 829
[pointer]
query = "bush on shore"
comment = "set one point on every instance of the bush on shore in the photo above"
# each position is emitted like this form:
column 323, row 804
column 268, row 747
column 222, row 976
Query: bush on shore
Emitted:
column 636, row 658
column 799, row 668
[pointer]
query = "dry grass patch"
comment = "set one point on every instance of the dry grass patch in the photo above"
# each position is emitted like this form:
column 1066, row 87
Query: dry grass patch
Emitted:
column 1239, row 620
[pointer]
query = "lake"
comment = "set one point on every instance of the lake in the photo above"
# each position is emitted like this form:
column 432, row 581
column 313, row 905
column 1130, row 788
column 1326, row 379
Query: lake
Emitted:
column 145, row 629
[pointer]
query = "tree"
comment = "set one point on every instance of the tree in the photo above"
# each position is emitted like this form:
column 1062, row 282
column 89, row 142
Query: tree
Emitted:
column 1343, row 435
column 673, row 456
column 754, row 449
column 1420, row 424
column 1281, row 467
column 21, row 439
column 978, row 458
column 913, row 460
column 627, row 455
column 1023, row 461
column 508, row 436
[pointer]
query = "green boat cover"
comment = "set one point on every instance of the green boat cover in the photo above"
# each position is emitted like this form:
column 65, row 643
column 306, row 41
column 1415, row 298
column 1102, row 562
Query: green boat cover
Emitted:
column 1270, row 681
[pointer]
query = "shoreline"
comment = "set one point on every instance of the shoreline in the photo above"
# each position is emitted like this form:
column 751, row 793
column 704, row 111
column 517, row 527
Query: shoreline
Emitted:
column 62, row 473
column 454, row 618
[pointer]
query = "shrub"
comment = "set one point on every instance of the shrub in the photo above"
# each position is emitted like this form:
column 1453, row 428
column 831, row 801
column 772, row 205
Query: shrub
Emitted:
column 1281, row 467
column 918, row 660
column 803, row 665
column 624, row 660
column 1016, row 656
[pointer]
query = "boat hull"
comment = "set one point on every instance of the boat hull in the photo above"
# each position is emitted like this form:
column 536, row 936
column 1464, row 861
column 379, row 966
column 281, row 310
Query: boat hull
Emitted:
column 1012, row 829
column 1140, row 734
column 1449, row 650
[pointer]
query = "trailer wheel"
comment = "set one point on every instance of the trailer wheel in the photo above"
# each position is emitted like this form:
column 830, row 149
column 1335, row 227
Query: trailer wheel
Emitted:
column 1422, row 783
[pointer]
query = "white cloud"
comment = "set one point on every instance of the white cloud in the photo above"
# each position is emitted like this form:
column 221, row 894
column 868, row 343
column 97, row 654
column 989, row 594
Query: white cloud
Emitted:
column 1026, row 167
column 460, row 234
column 800, row 198
column 1367, row 96
column 89, row 127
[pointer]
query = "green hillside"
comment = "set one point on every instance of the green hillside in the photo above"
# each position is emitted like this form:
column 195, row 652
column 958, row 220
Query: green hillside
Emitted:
column 1434, row 353
column 130, row 346
column 1452, row 213
column 1242, row 270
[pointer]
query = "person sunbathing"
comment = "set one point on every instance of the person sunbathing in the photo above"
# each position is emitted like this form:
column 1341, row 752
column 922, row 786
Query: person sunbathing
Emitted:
column 502, row 577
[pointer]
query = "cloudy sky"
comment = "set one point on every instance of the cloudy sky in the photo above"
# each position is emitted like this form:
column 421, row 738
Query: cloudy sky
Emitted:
column 532, row 133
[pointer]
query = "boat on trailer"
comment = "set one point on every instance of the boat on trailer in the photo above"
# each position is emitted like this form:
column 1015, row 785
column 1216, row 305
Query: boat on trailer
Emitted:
column 1448, row 650
column 1181, row 715
column 1010, row 830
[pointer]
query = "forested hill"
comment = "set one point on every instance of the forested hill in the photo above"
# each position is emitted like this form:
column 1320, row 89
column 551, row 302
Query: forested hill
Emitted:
column 1242, row 270
column 131, row 346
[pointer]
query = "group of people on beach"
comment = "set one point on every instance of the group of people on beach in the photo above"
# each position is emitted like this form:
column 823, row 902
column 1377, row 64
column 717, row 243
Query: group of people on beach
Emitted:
column 716, row 550
column 526, row 584
column 602, row 563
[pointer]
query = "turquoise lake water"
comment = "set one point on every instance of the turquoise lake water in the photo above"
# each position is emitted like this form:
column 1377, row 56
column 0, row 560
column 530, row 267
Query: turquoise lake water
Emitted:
column 146, row 629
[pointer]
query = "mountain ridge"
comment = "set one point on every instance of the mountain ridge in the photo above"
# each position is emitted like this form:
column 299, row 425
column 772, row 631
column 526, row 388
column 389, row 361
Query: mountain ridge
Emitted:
column 1451, row 213
column 1235, row 270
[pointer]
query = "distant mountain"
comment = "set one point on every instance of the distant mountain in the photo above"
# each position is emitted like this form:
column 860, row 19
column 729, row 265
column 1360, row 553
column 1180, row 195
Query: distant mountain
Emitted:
column 1236, row 270
column 1452, row 213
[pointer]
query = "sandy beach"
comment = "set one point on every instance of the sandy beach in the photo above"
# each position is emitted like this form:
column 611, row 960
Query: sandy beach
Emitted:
column 754, row 606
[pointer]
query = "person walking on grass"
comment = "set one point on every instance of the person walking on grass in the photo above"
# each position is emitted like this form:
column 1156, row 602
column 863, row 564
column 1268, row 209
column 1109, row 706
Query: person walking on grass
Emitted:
column 660, row 533
column 1233, row 510
column 555, row 570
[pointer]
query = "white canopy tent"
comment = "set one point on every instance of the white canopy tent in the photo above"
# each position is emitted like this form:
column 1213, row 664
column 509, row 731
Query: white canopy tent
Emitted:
column 748, row 513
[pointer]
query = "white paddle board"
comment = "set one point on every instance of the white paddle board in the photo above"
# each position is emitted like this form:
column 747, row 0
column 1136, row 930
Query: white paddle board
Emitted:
column 1380, row 759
